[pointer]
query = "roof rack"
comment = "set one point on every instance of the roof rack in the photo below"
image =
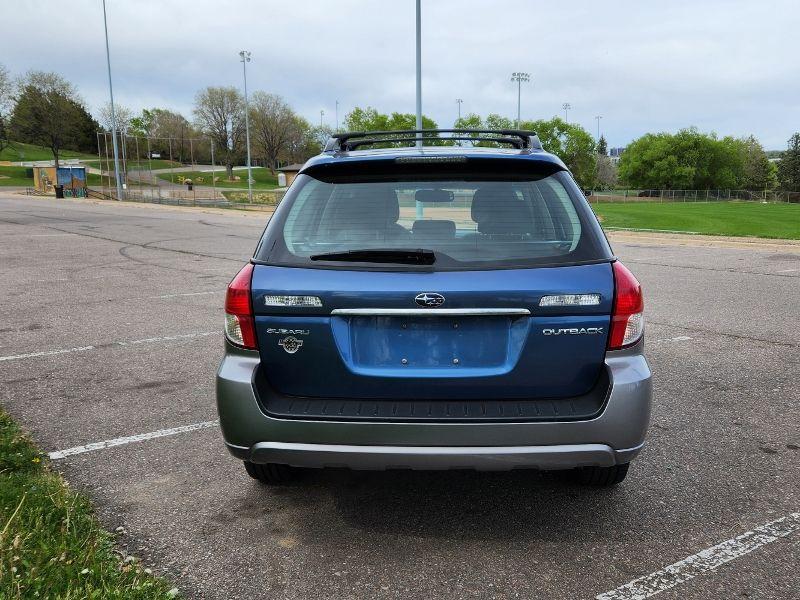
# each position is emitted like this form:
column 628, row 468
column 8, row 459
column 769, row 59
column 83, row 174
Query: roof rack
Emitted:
column 518, row 138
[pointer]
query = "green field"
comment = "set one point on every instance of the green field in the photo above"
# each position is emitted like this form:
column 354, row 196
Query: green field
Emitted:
column 135, row 165
column 51, row 545
column 17, row 152
column 263, row 179
column 14, row 176
column 747, row 219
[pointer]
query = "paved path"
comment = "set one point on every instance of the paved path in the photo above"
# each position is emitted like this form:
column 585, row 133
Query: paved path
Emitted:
column 111, row 316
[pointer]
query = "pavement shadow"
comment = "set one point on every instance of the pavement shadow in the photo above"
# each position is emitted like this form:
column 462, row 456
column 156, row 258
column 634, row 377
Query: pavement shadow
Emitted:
column 518, row 505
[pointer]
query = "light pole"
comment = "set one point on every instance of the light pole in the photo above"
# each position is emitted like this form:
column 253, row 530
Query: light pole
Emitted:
column 113, row 114
column 459, row 101
column 337, row 116
column 519, row 78
column 566, row 106
column 598, row 117
column 419, row 73
column 321, row 114
column 245, row 58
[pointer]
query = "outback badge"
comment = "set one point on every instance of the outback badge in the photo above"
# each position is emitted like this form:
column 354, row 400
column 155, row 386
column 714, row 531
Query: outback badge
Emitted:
column 291, row 344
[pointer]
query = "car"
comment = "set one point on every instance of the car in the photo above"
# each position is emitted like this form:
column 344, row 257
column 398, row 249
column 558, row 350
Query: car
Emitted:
column 418, row 302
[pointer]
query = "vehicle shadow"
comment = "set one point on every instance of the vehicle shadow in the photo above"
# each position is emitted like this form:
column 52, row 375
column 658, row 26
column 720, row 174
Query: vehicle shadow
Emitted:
column 521, row 505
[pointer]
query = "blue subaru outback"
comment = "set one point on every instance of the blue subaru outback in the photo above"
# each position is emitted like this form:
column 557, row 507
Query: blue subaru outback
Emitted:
column 417, row 302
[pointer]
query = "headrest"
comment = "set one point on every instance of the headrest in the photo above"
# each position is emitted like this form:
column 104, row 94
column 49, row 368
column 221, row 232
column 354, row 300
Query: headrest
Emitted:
column 497, row 209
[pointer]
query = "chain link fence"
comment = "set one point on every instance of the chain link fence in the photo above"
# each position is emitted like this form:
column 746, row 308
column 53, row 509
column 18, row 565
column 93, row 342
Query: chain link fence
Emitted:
column 715, row 195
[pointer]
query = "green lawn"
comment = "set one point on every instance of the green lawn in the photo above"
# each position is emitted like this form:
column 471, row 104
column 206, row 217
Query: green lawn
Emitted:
column 14, row 176
column 134, row 165
column 749, row 219
column 23, row 152
column 51, row 545
column 263, row 179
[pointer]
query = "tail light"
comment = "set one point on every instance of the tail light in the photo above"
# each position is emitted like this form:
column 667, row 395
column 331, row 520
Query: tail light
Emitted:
column 627, row 316
column 240, row 328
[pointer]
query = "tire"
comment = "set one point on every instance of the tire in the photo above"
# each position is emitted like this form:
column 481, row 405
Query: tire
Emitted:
column 602, row 476
column 270, row 473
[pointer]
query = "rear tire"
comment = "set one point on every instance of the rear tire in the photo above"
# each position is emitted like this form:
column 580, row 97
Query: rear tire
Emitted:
column 270, row 473
column 602, row 476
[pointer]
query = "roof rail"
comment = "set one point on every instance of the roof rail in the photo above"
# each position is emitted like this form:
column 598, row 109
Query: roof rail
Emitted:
column 519, row 138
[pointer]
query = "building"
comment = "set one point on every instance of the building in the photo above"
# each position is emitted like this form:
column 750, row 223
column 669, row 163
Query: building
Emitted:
column 289, row 172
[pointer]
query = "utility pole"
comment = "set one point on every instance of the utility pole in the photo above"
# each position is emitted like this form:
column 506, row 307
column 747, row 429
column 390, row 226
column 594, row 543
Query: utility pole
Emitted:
column 419, row 74
column 337, row 116
column 113, row 114
column 519, row 78
column 598, row 117
column 459, row 101
column 566, row 106
column 245, row 58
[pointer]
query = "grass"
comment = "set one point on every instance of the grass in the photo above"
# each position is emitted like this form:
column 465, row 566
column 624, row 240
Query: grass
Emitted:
column 133, row 165
column 746, row 219
column 24, row 152
column 51, row 545
column 263, row 179
column 15, row 176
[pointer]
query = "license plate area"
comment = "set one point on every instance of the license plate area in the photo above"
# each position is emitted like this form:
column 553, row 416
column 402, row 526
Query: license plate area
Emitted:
column 435, row 342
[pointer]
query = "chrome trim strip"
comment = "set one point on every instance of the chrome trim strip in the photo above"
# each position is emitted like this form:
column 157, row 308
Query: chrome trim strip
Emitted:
column 431, row 312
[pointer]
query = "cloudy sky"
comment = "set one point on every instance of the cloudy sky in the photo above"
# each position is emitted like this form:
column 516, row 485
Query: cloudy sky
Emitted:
column 728, row 66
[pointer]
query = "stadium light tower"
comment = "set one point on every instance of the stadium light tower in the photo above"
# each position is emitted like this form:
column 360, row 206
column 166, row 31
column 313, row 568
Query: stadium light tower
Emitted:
column 519, row 78
column 566, row 106
column 245, row 58
column 598, row 117
column 459, row 101
column 113, row 113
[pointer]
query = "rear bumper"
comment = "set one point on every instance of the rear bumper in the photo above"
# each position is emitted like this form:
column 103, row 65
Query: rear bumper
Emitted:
column 481, row 458
column 615, row 436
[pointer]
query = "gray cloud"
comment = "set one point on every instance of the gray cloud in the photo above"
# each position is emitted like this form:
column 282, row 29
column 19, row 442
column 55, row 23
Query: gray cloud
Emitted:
column 723, row 65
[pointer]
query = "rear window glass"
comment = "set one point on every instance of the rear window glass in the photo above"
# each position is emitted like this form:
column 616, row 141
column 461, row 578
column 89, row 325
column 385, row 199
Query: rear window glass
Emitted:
column 466, row 224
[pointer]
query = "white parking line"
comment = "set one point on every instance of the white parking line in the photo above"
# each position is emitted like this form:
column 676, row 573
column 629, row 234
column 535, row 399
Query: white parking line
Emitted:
column 705, row 561
column 60, row 454
column 46, row 353
column 186, row 294
column 166, row 338
column 680, row 338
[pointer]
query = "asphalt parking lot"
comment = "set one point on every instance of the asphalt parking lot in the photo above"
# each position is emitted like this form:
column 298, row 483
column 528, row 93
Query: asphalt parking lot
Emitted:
column 110, row 327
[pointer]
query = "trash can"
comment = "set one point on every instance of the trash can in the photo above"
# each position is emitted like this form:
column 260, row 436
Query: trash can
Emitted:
column 188, row 183
column 59, row 191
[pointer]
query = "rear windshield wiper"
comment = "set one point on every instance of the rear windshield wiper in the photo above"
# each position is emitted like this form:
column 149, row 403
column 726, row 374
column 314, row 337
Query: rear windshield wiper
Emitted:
column 420, row 256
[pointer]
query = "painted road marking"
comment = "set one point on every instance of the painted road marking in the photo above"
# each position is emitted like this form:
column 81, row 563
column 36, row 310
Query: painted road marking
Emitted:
column 153, row 340
column 680, row 338
column 186, row 294
column 141, row 437
column 704, row 561
column 46, row 353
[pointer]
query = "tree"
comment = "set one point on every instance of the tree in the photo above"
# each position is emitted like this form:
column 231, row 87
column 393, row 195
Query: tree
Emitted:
column 605, row 173
column 602, row 146
column 50, row 113
column 369, row 119
column 571, row 143
column 274, row 127
column 6, row 105
column 685, row 160
column 123, row 114
column 758, row 171
column 219, row 112
column 789, row 166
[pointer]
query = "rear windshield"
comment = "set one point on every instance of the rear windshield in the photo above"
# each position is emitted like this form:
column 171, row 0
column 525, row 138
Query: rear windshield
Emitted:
column 458, row 223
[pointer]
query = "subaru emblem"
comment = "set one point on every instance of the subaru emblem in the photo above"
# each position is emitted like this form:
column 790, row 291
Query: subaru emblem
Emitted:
column 429, row 299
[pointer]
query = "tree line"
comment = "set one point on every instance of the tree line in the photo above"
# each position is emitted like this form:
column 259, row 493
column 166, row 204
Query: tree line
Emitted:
column 43, row 108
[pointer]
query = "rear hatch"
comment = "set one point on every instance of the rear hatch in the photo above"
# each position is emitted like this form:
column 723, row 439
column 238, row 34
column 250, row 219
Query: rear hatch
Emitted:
column 407, row 280
column 489, row 339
